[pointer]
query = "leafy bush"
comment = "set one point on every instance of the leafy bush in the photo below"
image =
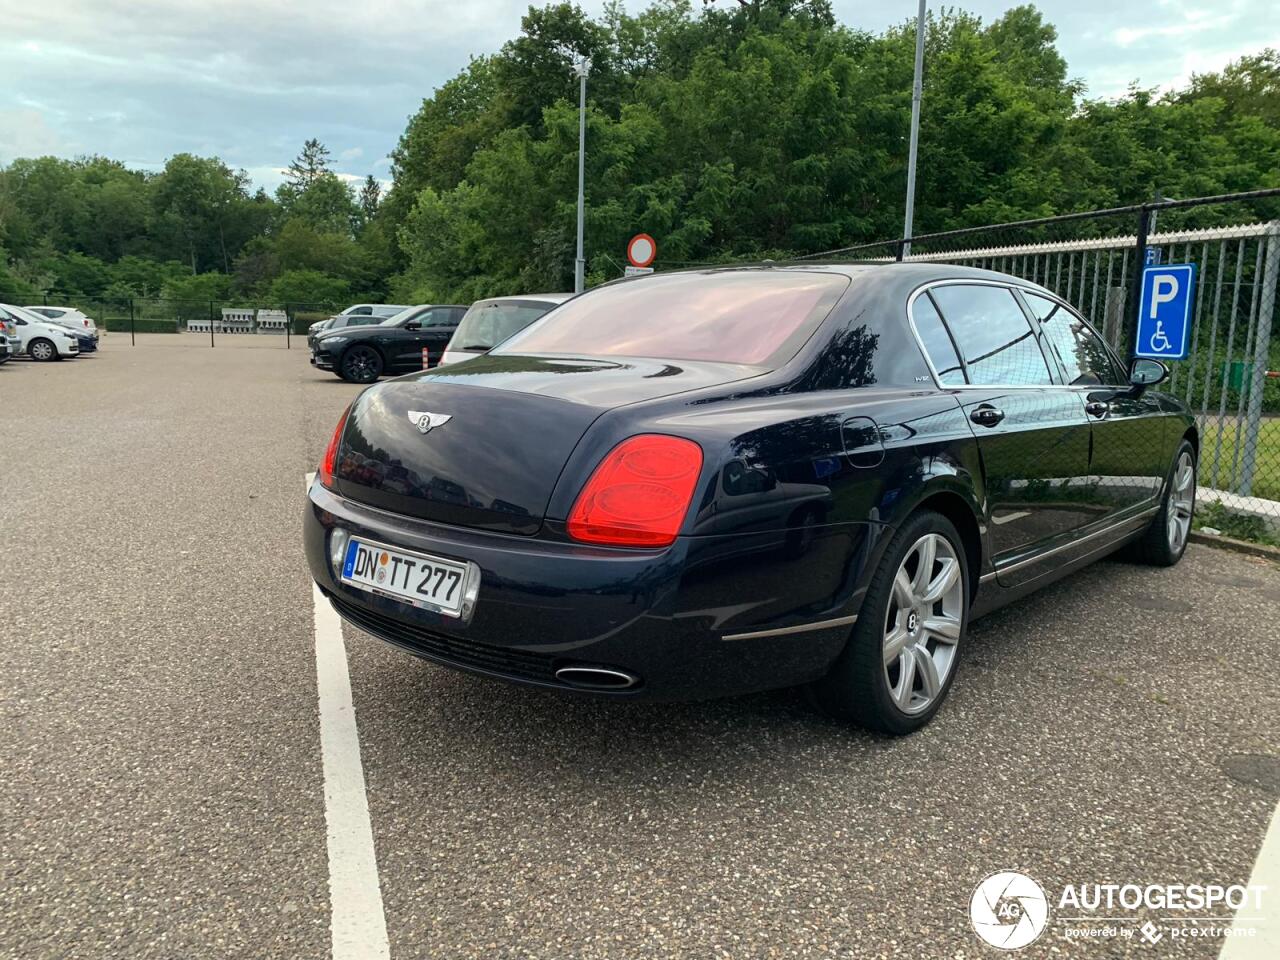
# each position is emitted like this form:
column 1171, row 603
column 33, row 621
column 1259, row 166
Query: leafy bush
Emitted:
column 1241, row 526
column 140, row 324
column 302, row 320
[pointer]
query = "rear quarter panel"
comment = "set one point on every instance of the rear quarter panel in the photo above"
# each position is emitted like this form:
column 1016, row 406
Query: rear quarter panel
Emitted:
column 799, row 494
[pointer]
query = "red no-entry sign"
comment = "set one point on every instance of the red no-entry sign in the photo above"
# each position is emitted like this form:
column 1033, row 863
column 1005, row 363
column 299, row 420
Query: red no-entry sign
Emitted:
column 641, row 250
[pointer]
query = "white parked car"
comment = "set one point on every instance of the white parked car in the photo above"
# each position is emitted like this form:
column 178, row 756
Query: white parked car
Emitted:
column 488, row 322
column 356, row 315
column 67, row 316
column 40, row 340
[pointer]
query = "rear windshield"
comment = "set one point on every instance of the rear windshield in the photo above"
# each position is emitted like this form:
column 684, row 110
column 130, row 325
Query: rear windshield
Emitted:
column 489, row 322
column 760, row 318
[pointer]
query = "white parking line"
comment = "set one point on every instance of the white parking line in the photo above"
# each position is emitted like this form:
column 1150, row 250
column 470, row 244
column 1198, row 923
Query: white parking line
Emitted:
column 357, row 926
column 1265, row 942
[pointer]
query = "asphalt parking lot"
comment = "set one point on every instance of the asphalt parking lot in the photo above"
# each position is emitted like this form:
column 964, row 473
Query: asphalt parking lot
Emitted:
column 164, row 796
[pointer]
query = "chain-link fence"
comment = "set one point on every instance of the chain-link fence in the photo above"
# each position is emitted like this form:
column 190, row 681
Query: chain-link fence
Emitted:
column 202, row 321
column 1230, row 376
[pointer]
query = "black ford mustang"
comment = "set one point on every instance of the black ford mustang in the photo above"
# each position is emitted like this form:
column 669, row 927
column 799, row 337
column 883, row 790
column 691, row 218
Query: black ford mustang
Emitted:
column 396, row 345
column 704, row 483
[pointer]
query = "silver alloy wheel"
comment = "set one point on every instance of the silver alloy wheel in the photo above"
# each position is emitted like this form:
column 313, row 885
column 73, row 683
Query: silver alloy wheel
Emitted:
column 1182, row 501
column 41, row 350
column 922, row 624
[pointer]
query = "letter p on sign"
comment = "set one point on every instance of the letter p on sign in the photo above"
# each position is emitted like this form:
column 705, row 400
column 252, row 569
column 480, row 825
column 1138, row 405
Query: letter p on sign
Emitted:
column 1164, row 313
column 1164, row 289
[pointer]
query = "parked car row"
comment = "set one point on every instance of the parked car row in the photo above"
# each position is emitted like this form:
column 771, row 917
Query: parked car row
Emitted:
column 361, row 347
column 356, row 315
column 45, row 333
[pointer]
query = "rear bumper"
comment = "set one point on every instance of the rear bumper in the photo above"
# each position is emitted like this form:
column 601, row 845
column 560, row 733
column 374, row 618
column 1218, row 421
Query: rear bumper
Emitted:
column 687, row 621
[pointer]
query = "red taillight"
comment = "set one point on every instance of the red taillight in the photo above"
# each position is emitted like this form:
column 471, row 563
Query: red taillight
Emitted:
column 330, row 460
column 640, row 493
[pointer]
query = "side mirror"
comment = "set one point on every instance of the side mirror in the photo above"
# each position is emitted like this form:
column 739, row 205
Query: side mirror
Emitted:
column 1146, row 372
column 413, row 325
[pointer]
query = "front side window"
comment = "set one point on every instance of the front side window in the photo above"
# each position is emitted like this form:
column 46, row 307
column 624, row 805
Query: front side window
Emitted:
column 439, row 317
column 937, row 342
column 996, row 341
column 1084, row 357
column 755, row 317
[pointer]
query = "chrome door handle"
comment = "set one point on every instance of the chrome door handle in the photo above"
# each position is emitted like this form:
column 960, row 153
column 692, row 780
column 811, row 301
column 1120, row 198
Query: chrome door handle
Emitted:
column 986, row 416
column 1096, row 408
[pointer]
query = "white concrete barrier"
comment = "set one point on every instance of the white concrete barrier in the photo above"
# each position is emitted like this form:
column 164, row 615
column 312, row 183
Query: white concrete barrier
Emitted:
column 235, row 320
column 273, row 321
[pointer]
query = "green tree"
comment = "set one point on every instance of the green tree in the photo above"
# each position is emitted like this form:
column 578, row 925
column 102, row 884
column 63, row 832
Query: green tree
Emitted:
column 200, row 287
column 309, row 165
column 325, row 204
column 197, row 198
column 370, row 196
column 308, row 288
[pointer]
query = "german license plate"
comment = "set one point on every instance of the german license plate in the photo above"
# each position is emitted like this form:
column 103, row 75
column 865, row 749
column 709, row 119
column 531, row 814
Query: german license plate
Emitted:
column 413, row 577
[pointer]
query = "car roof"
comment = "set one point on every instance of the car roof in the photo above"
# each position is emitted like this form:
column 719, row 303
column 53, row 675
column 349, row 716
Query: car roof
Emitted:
column 549, row 297
column 31, row 316
column 911, row 273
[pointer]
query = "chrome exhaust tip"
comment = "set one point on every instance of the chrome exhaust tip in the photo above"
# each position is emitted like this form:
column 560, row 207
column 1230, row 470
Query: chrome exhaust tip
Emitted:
column 597, row 678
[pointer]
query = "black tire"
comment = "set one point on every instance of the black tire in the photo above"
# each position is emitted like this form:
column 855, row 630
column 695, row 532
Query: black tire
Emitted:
column 1157, row 546
column 42, row 349
column 360, row 364
column 857, row 688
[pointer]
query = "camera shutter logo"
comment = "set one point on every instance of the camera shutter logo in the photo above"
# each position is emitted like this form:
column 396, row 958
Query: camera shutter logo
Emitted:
column 1009, row 910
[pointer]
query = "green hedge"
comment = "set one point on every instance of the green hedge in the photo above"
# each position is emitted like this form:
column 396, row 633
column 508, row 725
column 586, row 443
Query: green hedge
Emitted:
column 303, row 320
column 140, row 325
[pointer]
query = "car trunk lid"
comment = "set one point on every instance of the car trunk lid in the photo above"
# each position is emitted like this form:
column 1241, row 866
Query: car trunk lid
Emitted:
column 482, row 444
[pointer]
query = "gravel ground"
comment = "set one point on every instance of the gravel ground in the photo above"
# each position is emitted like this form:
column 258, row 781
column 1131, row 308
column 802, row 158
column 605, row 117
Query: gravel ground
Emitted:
column 162, row 792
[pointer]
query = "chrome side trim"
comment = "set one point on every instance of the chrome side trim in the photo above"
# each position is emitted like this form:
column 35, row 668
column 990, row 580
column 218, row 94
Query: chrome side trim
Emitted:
column 1053, row 551
column 986, row 578
column 799, row 628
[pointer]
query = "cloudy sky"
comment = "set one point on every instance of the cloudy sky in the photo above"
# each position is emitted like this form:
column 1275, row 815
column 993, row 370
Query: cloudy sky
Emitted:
column 249, row 80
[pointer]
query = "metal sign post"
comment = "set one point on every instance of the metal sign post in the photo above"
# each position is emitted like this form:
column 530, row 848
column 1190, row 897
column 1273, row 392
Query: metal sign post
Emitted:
column 917, row 86
column 581, row 69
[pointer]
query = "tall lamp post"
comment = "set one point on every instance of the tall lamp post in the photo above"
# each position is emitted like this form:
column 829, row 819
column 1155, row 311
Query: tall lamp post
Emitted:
column 916, row 86
column 580, row 70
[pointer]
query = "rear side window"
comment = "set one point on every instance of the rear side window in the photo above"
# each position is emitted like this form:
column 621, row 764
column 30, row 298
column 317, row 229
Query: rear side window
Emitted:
column 1084, row 357
column 489, row 322
column 759, row 317
column 997, row 343
column 937, row 342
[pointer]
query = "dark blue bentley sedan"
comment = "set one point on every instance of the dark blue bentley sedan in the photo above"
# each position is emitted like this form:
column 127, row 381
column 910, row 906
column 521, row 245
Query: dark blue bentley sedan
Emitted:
column 702, row 483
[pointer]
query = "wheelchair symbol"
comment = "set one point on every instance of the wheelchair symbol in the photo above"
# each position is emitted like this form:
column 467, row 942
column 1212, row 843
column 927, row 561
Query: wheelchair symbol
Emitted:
column 1159, row 342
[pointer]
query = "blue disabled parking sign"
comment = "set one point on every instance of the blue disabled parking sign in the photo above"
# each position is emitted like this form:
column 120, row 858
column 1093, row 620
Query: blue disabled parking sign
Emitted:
column 1164, row 312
